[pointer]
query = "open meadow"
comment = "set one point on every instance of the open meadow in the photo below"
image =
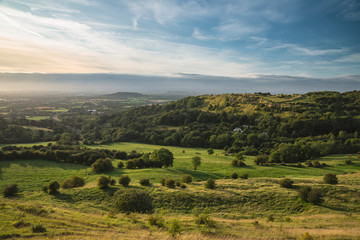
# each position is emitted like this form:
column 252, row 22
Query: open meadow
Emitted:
column 251, row 208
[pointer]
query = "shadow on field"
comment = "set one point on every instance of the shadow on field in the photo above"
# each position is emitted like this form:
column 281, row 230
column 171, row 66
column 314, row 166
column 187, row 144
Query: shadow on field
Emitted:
column 64, row 197
column 199, row 174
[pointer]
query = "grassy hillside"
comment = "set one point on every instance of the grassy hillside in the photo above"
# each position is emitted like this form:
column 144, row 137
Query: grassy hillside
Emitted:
column 238, row 208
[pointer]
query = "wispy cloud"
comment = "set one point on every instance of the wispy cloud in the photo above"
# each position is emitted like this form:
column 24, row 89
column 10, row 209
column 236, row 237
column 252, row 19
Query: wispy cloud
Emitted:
column 294, row 48
column 50, row 41
column 235, row 30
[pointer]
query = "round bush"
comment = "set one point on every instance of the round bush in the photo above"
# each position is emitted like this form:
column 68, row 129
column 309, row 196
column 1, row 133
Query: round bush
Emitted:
column 120, row 165
column 145, row 182
column 102, row 165
column 316, row 164
column 112, row 182
column 132, row 200
column 310, row 195
column 10, row 190
column 244, row 176
column 124, row 180
column 348, row 162
column 286, row 183
column 73, row 182
column 38, row 228
column 234, row 175
column 210, row 184
column 315, row 197
column 186, row 179
column 53, row 187
column 170, row 183
column 234, row 163
column 177, row 183
column 103, row 182
column 330, row 178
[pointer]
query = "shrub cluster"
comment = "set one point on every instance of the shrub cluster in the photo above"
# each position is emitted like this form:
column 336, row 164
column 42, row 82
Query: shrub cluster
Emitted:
column 132, row 200
column 237, row 163
column 120, row 164
column 331, row 178
column 170, row 183
column 210, row 184
column 286, row 183
column 102, row 165
column 10, row 190
column 145, row 182
column 73, row 182
column 311, row 195
column 38, row 228
column 157, row 159
column 186, row 179
column 314, row 163
column 244, row 176
column 56, row 152
column 103, row 182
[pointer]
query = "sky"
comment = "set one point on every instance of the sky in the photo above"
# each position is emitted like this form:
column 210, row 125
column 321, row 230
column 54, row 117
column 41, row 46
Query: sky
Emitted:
column 214, row 39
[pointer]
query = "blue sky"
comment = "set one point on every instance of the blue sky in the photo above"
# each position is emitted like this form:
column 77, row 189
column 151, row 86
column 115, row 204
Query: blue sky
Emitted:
column 245, row 38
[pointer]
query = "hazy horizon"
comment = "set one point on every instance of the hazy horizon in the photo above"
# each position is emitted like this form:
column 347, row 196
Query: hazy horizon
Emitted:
column 190, row 84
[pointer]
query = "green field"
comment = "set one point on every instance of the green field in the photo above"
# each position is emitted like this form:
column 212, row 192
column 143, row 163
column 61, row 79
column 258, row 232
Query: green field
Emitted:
column 37, row 118
column 255, row 208
column 219, row 166
column 34, row 128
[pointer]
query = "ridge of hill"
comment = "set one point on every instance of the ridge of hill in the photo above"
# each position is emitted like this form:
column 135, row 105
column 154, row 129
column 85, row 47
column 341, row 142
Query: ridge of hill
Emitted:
column 312, row 125
column 120, row 95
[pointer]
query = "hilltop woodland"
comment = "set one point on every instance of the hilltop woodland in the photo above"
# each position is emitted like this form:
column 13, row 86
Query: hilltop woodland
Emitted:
column 287, row 128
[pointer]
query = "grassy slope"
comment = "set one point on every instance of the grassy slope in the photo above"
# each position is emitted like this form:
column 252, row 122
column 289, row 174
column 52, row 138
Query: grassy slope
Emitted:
column 235, row 204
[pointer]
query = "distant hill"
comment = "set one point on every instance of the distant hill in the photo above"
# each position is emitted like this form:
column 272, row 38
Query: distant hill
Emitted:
column 120, row 95
column 305, row 125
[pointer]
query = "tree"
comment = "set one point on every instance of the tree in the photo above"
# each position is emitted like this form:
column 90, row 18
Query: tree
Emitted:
column 163, row 156
column 261, row 159
column 210, row 151
column 124, row 180
column 330, row 178
column 196, row 162
column 239, row 157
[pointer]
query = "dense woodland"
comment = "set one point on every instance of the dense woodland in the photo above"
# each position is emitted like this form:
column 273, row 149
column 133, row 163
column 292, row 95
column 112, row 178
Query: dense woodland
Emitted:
column 287, row 128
